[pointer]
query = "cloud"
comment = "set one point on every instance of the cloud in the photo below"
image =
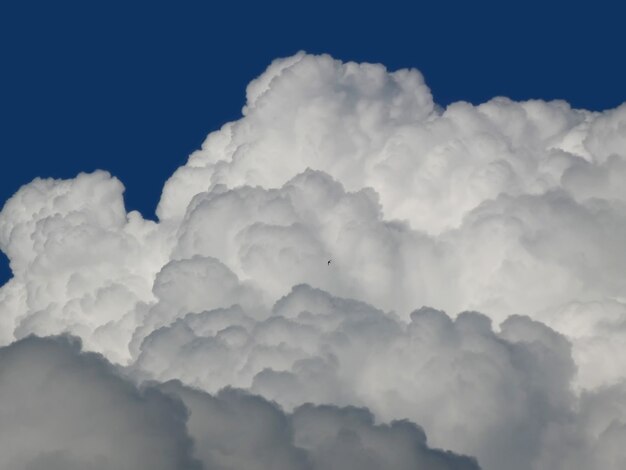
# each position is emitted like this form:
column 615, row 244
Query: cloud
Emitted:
column 513, row 209
column 61, row 409
column 65, row 409
column 492, row 394
column 234, row 429
column 80, row 263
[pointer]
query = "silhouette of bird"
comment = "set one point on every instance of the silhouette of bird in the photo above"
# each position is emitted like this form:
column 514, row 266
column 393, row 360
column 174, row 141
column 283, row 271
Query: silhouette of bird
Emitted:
column 329, row 262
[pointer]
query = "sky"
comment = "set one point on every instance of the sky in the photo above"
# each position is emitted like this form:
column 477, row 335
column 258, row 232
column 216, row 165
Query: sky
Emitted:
column 207, row 161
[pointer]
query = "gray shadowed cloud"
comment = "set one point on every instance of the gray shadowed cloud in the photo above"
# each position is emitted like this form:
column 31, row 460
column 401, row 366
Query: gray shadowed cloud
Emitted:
column 63, row 409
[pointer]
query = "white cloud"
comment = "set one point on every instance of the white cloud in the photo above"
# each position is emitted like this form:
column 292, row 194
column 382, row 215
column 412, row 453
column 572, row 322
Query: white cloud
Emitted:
column 80, row 262
column 506, row 208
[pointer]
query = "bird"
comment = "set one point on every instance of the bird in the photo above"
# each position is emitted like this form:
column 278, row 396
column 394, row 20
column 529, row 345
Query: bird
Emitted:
column 329, row 262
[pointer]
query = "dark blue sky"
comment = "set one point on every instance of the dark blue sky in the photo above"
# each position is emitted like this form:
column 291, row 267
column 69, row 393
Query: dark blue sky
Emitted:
column 134, row 87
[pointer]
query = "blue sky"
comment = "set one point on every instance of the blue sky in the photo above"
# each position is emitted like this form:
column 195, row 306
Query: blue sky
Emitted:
column 133, row 89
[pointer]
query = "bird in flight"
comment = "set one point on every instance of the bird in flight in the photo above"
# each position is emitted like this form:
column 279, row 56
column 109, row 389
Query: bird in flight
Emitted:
column 329, row 262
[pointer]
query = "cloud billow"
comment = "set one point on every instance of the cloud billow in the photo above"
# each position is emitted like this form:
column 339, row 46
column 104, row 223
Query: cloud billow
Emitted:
column 512, row 209
column 65, row 409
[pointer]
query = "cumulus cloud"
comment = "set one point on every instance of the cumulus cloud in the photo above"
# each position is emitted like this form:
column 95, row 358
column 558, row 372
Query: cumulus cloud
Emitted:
column 492, row 394
column 234, row 429
column 80, row 263
column 63, row 409
column 512, row 209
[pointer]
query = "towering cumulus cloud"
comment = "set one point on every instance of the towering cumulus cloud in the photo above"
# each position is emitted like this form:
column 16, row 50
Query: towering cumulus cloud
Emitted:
column 475, row 294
